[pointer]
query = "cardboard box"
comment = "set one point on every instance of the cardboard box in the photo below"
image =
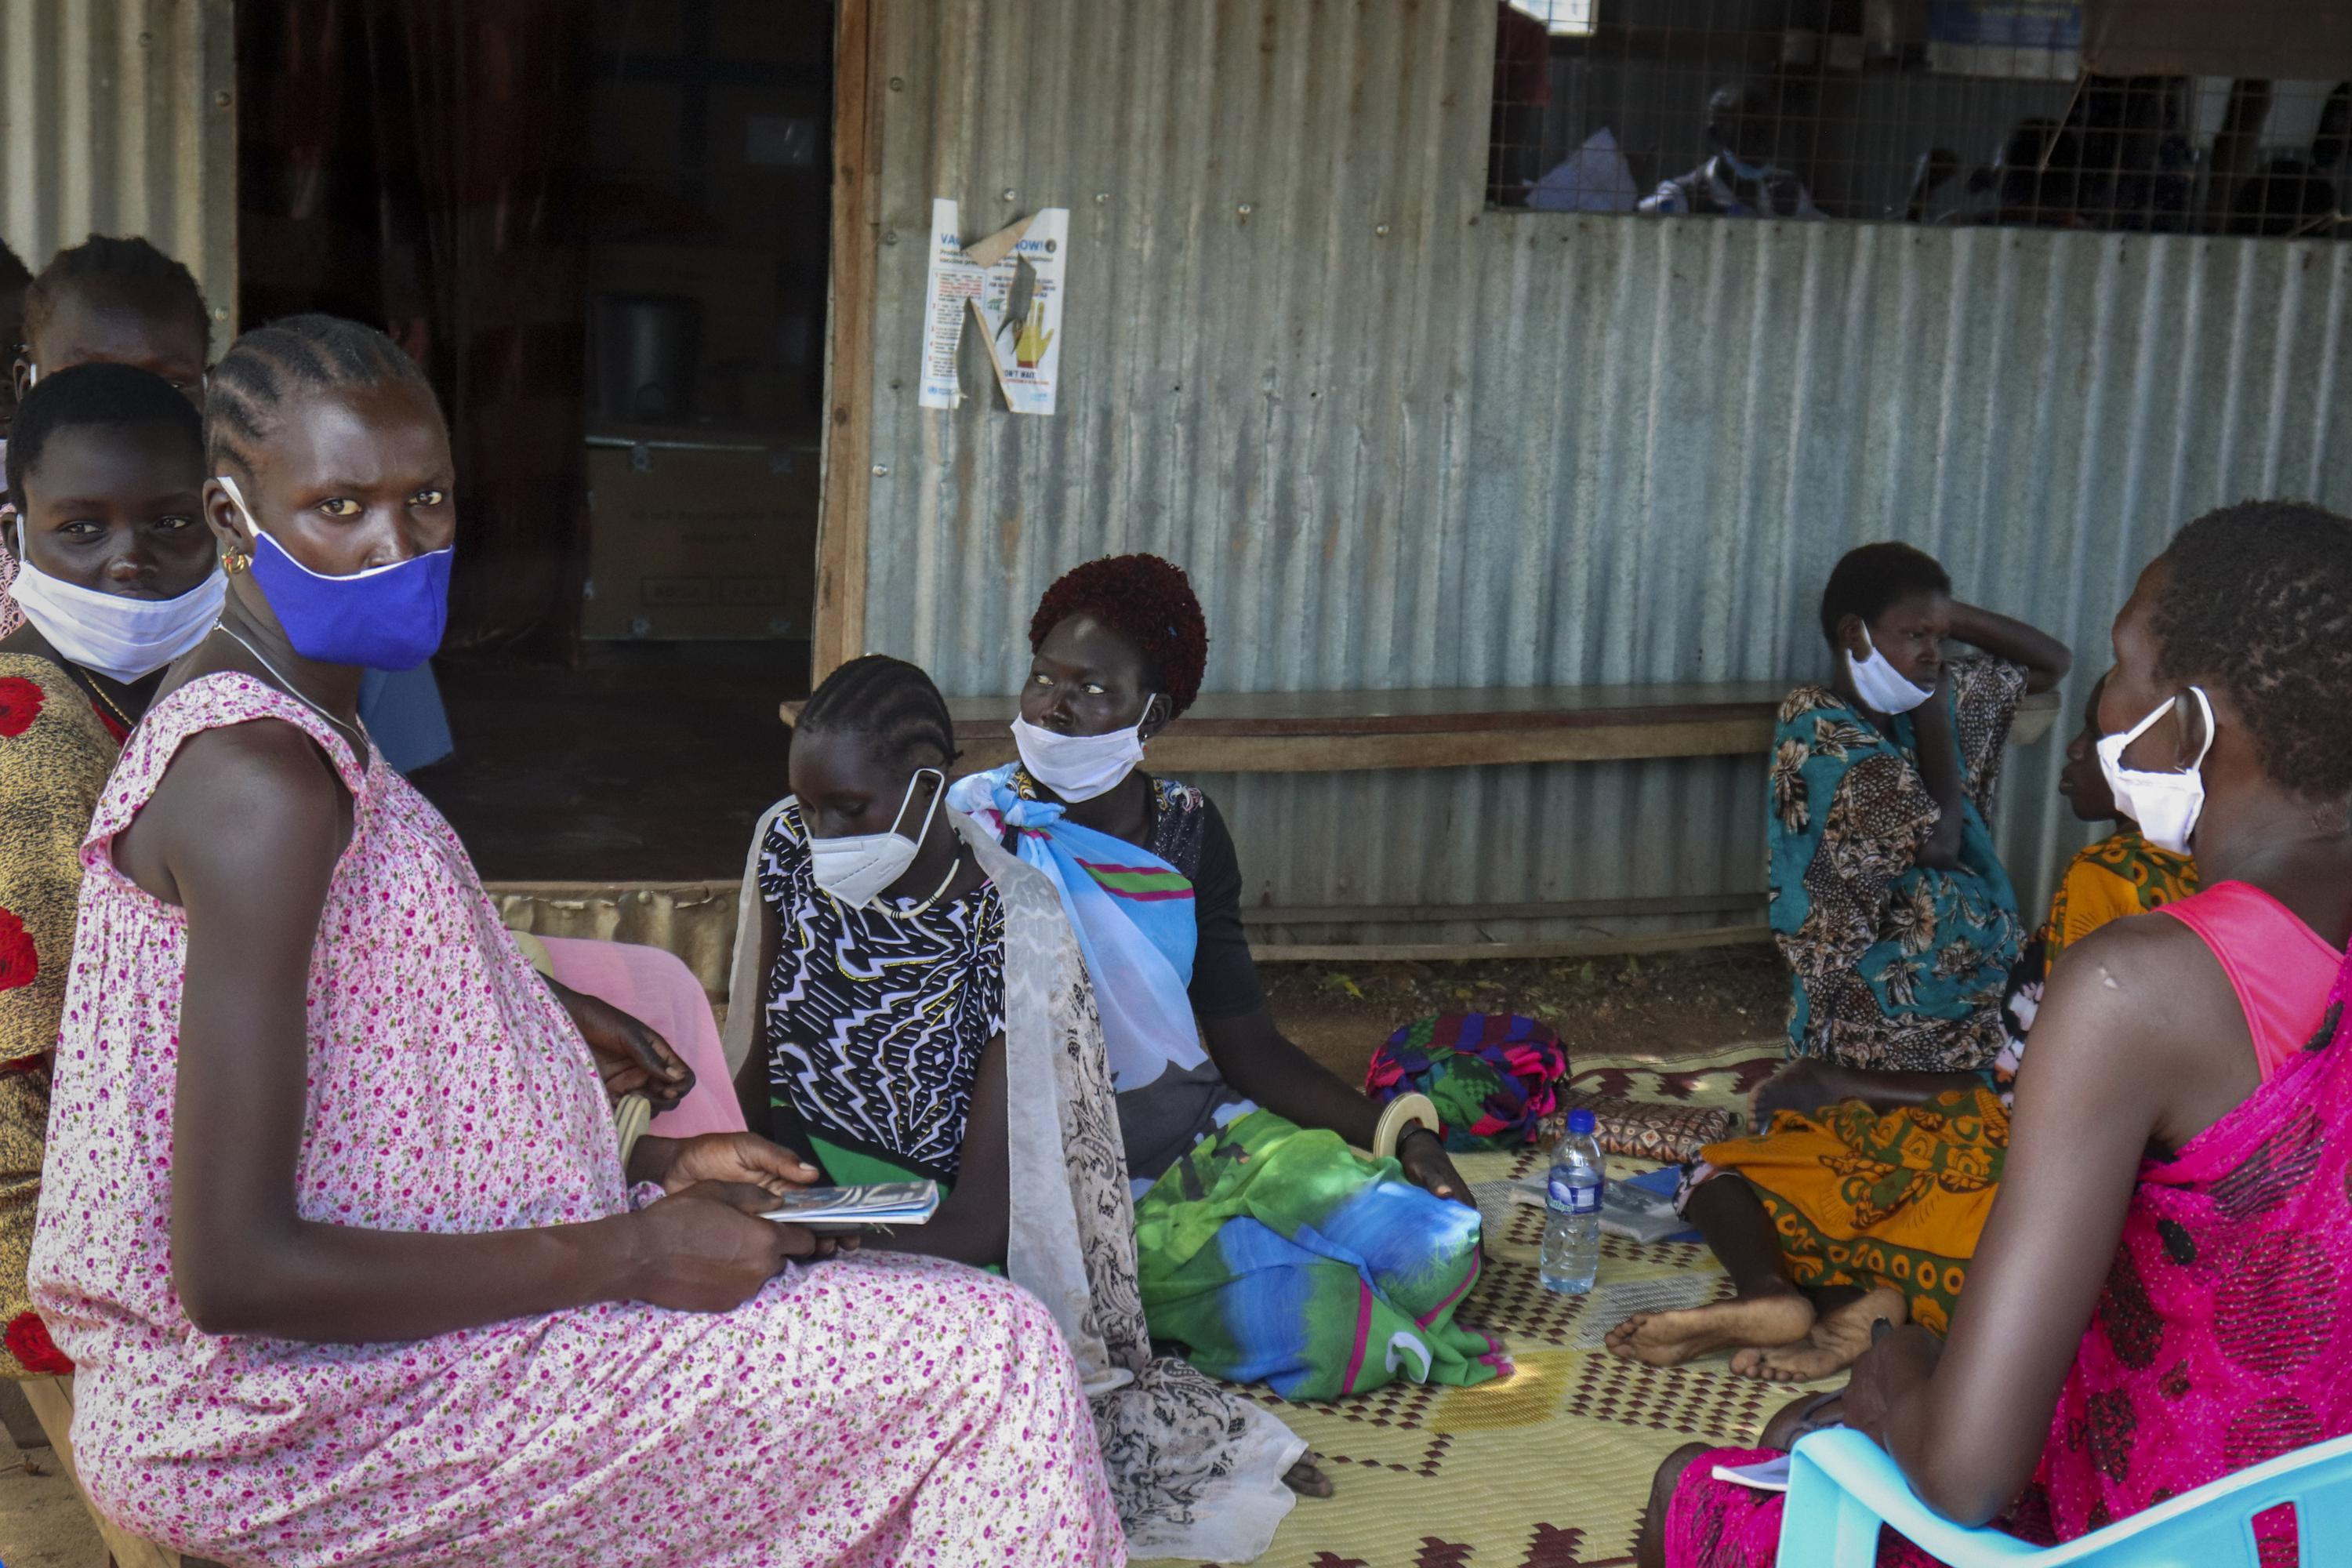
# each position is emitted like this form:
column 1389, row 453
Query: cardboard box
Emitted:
column 700, row 544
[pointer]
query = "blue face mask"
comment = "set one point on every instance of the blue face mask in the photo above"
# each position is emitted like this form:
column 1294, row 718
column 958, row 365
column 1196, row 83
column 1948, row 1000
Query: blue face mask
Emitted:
column 386, row 617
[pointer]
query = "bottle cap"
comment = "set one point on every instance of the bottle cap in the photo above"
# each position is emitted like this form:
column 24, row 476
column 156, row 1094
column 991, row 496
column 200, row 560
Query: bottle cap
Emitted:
column 1580, row 1121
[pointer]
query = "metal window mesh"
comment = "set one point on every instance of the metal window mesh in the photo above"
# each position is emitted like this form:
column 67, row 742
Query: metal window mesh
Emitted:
column 1797, row 107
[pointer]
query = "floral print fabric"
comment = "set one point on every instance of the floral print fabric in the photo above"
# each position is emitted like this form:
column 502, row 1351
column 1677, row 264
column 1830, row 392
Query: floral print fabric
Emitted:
column 55, row 751
column 1862, row 1198
column 2120, row 875
column 1494, row 1076
column 863, row 1410
column 1893, row 964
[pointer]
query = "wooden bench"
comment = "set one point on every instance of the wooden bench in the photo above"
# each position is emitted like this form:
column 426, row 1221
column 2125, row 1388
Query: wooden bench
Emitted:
column 1343, row 732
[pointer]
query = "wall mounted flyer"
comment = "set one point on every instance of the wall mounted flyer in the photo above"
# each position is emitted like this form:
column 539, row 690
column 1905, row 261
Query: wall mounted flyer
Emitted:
column 1012, row 281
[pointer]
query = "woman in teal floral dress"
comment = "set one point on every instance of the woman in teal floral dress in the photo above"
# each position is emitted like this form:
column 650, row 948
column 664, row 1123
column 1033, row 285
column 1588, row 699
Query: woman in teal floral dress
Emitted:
column 1894, row 913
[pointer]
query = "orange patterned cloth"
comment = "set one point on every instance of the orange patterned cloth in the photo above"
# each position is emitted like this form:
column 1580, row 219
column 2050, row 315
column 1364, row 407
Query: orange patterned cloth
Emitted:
column 1865, row 1199
column 2122, row 874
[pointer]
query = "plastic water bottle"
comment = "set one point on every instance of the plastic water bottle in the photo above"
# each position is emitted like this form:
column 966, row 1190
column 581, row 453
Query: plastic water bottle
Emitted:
column 1572, row 1244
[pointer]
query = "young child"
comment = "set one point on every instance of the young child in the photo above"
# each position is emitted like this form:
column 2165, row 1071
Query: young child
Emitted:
column 351, row 1267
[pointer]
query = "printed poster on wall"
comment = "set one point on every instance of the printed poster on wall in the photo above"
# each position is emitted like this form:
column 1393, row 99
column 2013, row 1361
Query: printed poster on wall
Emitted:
column 1011, row 283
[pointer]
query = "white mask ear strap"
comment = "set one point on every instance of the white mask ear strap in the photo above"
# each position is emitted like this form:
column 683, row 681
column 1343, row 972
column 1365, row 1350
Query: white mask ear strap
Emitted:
column 2145, row 725
column 241, row 552
column 908, row 799
column 2205, row 705
column 236, row 498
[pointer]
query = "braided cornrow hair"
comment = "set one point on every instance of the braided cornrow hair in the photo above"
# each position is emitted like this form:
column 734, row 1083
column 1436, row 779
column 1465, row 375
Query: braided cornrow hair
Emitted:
column 888, row 699
column 118, row 271
column 2261, row 602
column 309, row 354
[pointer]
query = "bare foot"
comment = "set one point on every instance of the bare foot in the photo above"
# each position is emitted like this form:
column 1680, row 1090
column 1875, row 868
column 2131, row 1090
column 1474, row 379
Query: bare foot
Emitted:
column 1306, row 1479
column 1670, row 1339
column 1836, row 1340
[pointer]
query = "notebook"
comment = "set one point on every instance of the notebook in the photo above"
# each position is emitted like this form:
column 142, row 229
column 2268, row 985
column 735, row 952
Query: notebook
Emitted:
column 859, row 1208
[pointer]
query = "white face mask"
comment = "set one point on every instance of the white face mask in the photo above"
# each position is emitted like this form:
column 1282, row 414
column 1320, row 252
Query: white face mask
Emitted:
column 855, row 868
column 2165, row 804
column 119, row 637
column 1080, row 767
column 1881, row 686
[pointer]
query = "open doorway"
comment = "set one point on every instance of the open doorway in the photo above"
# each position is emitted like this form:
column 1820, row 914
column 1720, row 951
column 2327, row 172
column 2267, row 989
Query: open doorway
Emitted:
column 601, row 225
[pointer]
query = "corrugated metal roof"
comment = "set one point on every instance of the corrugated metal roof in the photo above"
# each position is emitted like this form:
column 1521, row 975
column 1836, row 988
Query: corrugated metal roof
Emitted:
column 1403, row 440
column 119, row 117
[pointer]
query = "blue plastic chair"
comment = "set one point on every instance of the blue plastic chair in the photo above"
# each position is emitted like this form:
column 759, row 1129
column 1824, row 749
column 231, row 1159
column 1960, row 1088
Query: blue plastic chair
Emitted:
column 1842, row 1486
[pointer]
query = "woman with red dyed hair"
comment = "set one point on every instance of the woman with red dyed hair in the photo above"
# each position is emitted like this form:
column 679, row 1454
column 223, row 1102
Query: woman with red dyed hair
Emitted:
column 1266, row 1246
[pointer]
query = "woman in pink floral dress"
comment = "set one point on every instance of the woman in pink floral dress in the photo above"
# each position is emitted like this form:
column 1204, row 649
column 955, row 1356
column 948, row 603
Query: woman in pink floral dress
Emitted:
column 335, row 1226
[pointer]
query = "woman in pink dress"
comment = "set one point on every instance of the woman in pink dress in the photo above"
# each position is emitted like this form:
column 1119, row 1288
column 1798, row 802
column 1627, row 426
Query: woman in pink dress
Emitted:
column 2163, row 1294
column 335, row 1224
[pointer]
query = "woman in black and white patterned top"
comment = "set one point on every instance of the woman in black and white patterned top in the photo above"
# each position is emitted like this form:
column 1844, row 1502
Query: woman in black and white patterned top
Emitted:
column 877, row 1014
column 879, row 1048
column 884, row 988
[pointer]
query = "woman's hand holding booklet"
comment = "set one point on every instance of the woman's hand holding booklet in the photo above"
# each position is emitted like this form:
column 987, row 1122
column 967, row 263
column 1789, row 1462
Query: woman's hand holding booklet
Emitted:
column 857, row 1208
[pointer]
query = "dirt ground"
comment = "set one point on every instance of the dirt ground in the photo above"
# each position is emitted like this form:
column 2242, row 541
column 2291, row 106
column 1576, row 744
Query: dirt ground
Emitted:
column 42, row 1521
column 1338, row 1012
column 1666, row 1004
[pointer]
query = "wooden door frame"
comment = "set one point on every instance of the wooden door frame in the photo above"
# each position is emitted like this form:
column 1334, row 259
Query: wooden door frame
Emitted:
column 839, row 634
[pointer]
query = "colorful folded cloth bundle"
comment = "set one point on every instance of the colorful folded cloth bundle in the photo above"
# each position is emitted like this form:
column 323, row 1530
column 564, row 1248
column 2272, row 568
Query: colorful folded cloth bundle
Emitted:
column 1495, row 1077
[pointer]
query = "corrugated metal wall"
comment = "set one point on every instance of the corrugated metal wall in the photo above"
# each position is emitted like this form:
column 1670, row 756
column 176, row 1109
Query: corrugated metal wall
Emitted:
column 118, row 117
column 1404, row 441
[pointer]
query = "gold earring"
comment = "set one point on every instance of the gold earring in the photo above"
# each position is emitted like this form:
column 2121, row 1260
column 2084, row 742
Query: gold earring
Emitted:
column 233, row 562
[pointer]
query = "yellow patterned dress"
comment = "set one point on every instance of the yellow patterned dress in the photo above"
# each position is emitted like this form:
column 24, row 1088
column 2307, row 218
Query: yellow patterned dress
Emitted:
column 1898, row 1199
column 55, row 751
